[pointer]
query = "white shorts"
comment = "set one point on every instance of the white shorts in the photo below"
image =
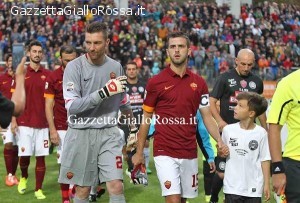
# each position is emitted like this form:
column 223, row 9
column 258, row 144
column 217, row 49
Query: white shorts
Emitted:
column 177, row 176
column 8, row 136
column 33, row 141
column 60, row 148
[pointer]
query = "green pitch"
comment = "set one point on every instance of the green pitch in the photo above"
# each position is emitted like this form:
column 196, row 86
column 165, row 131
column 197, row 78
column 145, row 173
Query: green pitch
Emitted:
column 133, row 193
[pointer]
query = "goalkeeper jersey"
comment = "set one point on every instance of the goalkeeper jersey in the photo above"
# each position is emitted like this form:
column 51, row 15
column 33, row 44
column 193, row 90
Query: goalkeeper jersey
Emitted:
column 285, row 108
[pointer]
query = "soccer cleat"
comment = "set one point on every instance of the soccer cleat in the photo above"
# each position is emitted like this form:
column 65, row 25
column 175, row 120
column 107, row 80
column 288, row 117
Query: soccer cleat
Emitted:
column 22, row 185
column 93, row 198
column 100, row 192
column 149, row 170
column 39, row 194
column 207, row 198
column 15, row 179
column 9, row 180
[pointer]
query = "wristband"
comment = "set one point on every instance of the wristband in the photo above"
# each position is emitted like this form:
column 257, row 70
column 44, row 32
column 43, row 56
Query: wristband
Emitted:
column 277, row 167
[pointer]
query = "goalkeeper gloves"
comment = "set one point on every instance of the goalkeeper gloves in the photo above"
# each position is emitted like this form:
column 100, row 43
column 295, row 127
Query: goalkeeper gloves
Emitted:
column 132, row 138
column 113, row 86
column 139, row 175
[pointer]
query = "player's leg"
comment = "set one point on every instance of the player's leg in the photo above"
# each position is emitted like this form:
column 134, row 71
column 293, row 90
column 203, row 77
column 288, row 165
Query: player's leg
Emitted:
column 217, row 183
column 10, row 157
column 110, row 163
column 41, row 140
column 79, row 161
column 208, row 178
column 147, row 155
column 64, row 188
column 168, row 173
column 24, row 140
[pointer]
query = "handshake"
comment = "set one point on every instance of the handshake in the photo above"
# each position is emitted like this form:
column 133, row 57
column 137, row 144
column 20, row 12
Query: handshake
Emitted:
column 113, row 86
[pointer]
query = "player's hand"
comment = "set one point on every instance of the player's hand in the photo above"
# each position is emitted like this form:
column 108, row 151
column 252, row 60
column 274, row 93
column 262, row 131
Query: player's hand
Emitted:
column 132, row 139
column 138, row 158
column 139, row 175
column 21, row 70
column 221, row 125
column 267, row 192
column 223, row 150
column 113, row 86
column 54, row 137
column 279, row 183
column 14, row 127
column 212, row 167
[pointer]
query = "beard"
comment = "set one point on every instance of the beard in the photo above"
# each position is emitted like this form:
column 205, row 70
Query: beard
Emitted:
column 35, row 60
column 178, row 62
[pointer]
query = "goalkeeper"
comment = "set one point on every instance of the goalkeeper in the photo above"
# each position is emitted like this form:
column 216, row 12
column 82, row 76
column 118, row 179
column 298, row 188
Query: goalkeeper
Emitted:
column 93, row 88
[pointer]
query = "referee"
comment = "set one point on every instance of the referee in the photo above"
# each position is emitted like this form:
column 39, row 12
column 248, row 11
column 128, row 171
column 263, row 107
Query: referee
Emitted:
column 285, row 108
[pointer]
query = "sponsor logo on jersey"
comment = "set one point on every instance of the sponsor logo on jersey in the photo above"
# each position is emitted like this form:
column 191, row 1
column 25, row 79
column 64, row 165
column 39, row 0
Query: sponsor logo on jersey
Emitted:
column 243, row 83
column 252, row 85
column 141, row 89
column 232, row 82
column 168, row 87
column 167, row 184
column 134, row 88
column 193, row 86
column 253, row 145
column 233, row 142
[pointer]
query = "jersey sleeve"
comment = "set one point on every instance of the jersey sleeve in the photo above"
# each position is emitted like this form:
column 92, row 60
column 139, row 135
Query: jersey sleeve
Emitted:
column 150, row 97
column 264, row 153
column 74, row 102
column 6, row 109
column 49, row 91
column 280, row 106
column 219, row 87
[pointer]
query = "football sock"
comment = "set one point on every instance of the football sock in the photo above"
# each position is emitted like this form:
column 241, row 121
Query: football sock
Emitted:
column 147, row 156
column 64, row 191
column 8, row 158
column 24, row 163
column 15, row 160
column 40, row 170
column 93, row 190
column 117, row 198
column 216, row 187
column 208, row 178
column 77, row 200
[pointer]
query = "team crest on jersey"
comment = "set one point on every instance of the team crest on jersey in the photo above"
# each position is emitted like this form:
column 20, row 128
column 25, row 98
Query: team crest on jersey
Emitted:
column 46, row 85
column 23, row 149
column 134, row 88
column 141, row 89
column 252, row 85
column 193, row 86
column 43, row 77
column 243, row 83
column 70, row 175
column 253, row 144
column 167, row 184
column 112, row 75
column 222, row 165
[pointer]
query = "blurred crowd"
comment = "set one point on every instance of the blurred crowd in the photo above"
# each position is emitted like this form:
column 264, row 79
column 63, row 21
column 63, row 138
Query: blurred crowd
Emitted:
column 271, row 30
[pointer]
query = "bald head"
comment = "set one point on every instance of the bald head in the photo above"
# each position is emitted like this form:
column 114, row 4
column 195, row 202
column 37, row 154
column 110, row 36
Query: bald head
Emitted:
column 245, row 52
column 245, row 62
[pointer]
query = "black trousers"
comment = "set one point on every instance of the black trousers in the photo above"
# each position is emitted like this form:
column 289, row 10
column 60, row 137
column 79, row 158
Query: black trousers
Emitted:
column 229, row 198
column 292, row 171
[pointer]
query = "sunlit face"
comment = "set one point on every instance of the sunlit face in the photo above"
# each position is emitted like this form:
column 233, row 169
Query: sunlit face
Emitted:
column 96, row 45
column 178, row 51
column 131, row 71
column 36, row 54
column 244, row 64
column 66, row 58
column 241, row 110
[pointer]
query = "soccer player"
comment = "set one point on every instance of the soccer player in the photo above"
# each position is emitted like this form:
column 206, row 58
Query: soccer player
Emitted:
column 93, row 88
column 31, row 127
column 247, row 170
column 135, row 90
column 56, row 113
column 285, row 108
column 16, row 106
column 10, row 145
column 175, row 94
column 228, row 85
